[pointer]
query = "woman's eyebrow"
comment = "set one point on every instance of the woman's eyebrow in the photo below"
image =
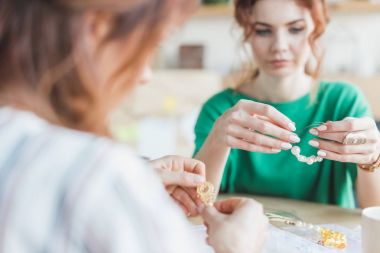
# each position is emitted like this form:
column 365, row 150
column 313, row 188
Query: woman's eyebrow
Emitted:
column 261, row 23
column 268, row 25
column 296, row 21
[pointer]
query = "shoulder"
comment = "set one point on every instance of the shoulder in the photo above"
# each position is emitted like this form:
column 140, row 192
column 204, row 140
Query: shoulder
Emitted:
column 221, row 101
column 347, row 99
column 226, row 96
column 339, row 89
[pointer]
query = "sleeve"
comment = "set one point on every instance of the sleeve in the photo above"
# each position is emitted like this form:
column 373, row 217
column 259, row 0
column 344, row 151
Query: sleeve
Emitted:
column 125, row 208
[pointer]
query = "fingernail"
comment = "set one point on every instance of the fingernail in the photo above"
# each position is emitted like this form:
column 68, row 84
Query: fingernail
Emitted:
column 314, row 143
column 292, row 126
column 321, row 153
column 294, row 138
column 276, row 150
column 313, row 132
column 322, row 128
column 285, row 145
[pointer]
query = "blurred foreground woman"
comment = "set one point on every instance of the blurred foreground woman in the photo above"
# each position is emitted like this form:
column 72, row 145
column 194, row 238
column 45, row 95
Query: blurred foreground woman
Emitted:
column 65, row 185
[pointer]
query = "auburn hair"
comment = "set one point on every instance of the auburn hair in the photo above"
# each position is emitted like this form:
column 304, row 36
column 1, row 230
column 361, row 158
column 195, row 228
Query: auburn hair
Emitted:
column 38, row 39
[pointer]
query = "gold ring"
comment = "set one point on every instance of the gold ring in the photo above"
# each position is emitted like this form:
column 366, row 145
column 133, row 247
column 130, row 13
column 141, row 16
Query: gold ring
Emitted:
column 354, row 139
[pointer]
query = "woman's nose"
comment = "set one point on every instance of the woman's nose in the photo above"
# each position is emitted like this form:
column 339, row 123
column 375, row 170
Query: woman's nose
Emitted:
column 146, row 76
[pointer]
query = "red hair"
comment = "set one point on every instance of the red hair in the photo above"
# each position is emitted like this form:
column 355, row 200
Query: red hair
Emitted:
column 37, row 43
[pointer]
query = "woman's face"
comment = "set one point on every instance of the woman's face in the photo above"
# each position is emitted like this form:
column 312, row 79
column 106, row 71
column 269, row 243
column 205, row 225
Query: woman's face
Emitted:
column 106, row 61
column 280, row 37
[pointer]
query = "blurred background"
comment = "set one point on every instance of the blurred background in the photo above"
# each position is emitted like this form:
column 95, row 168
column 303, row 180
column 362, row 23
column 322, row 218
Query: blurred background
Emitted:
column 203, row 56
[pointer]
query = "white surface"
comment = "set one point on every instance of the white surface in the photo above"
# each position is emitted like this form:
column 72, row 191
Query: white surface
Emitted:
column 371, row 230
column 281, row 241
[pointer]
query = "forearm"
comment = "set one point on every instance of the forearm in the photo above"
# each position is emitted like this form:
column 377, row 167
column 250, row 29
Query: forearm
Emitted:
column 368, row 188
column 214, row 154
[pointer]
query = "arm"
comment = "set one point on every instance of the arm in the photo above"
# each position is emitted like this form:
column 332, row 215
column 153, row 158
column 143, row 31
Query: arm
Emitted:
column 368, row 185
column 214, row 153
column 368, row 188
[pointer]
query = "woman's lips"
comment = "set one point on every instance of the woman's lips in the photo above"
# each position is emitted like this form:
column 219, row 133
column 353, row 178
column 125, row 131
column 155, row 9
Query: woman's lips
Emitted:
column 279, row 63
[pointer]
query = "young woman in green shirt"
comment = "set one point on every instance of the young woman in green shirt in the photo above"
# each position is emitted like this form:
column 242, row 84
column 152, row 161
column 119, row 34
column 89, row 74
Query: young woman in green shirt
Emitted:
column 244, row 135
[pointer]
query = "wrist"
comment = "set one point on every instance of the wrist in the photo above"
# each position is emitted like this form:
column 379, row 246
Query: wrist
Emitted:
column 375, row 165
column 217, row 136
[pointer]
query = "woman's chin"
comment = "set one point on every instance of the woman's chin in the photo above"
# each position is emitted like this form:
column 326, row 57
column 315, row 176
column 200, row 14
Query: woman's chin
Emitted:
column 280, row 72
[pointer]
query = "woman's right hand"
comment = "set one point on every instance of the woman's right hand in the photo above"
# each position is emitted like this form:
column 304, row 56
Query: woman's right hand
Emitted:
column 255, row 127
column 236, row 225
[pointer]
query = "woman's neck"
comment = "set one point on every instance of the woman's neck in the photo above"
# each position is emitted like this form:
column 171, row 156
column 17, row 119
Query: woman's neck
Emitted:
column 278, row 89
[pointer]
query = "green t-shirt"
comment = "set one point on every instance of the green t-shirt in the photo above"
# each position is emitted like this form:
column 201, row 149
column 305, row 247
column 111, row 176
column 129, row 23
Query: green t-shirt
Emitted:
column 281, row 174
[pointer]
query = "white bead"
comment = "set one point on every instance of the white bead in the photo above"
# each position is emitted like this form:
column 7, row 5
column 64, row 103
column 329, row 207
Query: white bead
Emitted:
column 302, row 158
column 296, row 150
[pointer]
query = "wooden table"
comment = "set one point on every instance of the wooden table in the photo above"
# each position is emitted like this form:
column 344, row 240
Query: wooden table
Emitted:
column 308, row 211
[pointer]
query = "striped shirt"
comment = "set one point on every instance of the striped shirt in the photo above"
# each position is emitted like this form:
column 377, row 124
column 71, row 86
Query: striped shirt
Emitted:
column 67, row 191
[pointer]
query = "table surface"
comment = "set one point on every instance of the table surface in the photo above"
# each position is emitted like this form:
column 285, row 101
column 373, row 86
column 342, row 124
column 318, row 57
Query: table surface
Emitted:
column 310, row 212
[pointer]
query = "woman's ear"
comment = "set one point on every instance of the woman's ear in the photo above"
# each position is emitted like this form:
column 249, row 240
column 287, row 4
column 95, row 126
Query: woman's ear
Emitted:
column 96, row 28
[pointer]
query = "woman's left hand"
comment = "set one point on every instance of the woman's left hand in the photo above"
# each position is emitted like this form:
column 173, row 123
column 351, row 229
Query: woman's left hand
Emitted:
column 181, row 176
column 334, row 143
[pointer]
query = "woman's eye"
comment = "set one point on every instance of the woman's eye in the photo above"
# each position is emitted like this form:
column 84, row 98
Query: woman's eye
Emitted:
column 262, row 32
column 295, row 30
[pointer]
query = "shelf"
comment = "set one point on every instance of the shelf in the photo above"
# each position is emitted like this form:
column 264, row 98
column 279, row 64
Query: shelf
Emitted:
column 215, row 10
column 353, row 7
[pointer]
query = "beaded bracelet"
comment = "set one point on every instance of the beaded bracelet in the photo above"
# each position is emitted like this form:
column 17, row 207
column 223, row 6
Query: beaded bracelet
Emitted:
column 296, row 151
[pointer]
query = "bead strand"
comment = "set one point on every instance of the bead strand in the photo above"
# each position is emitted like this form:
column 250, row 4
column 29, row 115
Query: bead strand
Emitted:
column 296, row 151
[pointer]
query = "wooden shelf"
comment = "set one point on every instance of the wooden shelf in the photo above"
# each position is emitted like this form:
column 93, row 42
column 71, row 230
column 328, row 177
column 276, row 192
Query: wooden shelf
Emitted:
column 355, row 7
column 215, row 10
column 350, row 7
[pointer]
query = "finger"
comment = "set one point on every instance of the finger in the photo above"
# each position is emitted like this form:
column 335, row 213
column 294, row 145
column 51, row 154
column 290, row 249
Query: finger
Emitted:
column 192, row 192
column 257, row 138
column 184, row 209
column 185, row 179
column 371, row 135
column 244, row 145
column 231, row 205
column 211, row 216
column 170, row 188
column 333, row 136
column 194, row 166
column 228, row 206
column 264, row 126
column 180, row 195
column 348, row 125
column 266, row 110
column 343, row 148
column 267, row 126
column 351, row 158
